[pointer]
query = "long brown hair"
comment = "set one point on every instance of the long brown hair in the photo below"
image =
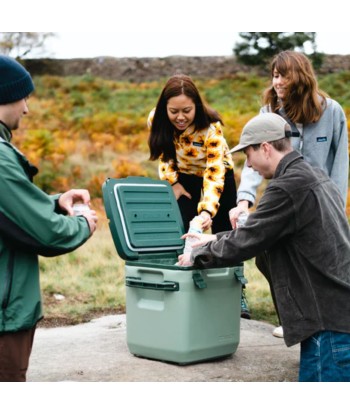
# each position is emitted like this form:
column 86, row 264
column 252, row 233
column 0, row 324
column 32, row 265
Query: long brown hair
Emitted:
column 161, row 138
column 305, row 102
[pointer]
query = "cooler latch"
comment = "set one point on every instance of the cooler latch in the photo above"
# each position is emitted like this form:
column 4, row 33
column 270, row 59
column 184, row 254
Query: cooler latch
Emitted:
column 198, row 280
column 238, row 271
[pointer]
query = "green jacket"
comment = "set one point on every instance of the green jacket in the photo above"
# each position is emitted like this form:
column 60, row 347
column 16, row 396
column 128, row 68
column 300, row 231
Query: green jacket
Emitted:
column 37, row 216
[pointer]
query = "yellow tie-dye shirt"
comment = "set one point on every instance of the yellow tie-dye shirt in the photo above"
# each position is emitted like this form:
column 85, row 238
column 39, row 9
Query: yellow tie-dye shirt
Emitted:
column 202, row 153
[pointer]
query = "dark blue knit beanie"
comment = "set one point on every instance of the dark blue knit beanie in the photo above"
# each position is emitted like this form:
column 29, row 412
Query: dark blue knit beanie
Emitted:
column 15, row 81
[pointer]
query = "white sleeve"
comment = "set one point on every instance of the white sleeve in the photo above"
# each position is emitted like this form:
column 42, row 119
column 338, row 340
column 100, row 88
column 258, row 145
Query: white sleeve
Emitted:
column 250, row 181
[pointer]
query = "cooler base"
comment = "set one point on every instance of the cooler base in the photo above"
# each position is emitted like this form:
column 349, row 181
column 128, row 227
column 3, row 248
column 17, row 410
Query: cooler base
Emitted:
column 190, row 325
column 210, row 359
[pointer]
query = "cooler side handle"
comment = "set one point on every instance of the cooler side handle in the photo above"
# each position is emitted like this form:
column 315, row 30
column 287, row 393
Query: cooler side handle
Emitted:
column 149, row 285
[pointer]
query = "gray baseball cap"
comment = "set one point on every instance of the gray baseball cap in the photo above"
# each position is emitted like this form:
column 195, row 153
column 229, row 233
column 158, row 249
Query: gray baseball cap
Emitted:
column 263, row 128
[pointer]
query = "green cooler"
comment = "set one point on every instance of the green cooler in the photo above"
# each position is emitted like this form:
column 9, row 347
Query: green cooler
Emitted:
column 176, row 314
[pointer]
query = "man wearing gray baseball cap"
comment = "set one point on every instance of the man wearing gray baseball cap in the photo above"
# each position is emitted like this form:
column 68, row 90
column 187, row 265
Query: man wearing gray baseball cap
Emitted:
column 268, row 127
column 300, row 236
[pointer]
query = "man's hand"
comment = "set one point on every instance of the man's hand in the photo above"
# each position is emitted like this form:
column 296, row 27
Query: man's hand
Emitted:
column 91, row 217
column 235, row 212
column 184, row 260
column 67, row 199
column 203, row 238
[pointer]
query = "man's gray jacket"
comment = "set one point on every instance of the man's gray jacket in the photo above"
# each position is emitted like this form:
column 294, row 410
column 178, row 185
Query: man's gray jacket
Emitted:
column 302, row 231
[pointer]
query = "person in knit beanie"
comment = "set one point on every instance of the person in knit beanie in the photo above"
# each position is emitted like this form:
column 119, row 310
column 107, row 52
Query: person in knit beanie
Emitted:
column 15, row 81
column 32, row 223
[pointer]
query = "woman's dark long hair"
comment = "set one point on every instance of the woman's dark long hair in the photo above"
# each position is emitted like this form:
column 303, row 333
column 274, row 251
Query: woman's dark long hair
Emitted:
column 303, row 103
column 161, row 138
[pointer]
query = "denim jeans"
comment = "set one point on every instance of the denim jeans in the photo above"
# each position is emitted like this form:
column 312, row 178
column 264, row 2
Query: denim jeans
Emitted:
column 325, row 357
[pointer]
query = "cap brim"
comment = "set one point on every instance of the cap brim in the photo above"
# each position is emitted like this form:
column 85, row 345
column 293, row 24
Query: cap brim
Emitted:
column 238, row 147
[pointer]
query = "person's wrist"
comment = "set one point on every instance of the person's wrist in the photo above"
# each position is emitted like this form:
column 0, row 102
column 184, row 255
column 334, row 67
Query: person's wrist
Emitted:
column 205, row 213
column 243, row 204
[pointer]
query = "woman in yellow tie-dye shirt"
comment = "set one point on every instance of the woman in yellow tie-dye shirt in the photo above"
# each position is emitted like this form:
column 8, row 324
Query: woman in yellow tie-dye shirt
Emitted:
column 186, row 137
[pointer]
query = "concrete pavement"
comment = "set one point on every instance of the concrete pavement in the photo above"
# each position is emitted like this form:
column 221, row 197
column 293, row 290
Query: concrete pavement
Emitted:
column 97, row 352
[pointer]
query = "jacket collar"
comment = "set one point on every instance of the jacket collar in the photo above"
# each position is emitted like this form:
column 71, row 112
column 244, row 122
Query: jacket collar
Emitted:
column 189, row 130
column 286, row 161
column 6, row 135
column 5, row 132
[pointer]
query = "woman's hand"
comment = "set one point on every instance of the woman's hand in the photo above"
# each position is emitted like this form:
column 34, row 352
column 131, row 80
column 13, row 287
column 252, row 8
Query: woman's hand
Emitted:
column 179, row 191
column 235, row 212
column 207, row 221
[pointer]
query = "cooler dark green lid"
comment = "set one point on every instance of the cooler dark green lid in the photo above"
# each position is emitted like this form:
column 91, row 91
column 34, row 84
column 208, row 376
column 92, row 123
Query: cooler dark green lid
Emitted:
column 144, row 216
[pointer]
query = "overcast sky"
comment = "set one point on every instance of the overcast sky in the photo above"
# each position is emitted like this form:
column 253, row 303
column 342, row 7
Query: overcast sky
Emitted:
column 159, row 28
column 156, row 44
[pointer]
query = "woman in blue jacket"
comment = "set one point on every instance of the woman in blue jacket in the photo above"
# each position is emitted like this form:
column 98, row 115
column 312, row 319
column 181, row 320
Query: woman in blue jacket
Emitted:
column 319, row 127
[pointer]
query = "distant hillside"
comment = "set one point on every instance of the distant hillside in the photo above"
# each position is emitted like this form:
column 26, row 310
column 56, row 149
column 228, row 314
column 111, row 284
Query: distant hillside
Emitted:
column 151, row 69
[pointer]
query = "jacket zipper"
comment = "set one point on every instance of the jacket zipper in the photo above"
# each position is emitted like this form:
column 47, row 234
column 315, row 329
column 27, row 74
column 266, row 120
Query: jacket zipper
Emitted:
column 8, row 281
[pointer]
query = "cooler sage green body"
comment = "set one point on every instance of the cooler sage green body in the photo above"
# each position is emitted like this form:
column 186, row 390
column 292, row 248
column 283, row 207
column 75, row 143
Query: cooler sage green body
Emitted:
column 176, row 314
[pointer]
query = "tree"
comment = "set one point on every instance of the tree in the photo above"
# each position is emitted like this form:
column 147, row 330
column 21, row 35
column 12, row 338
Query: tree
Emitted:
column 258, row 48
column 20, row 44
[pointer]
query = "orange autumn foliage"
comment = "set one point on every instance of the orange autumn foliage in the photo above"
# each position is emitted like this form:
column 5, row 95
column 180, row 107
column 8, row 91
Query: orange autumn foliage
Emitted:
column 82, row 130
